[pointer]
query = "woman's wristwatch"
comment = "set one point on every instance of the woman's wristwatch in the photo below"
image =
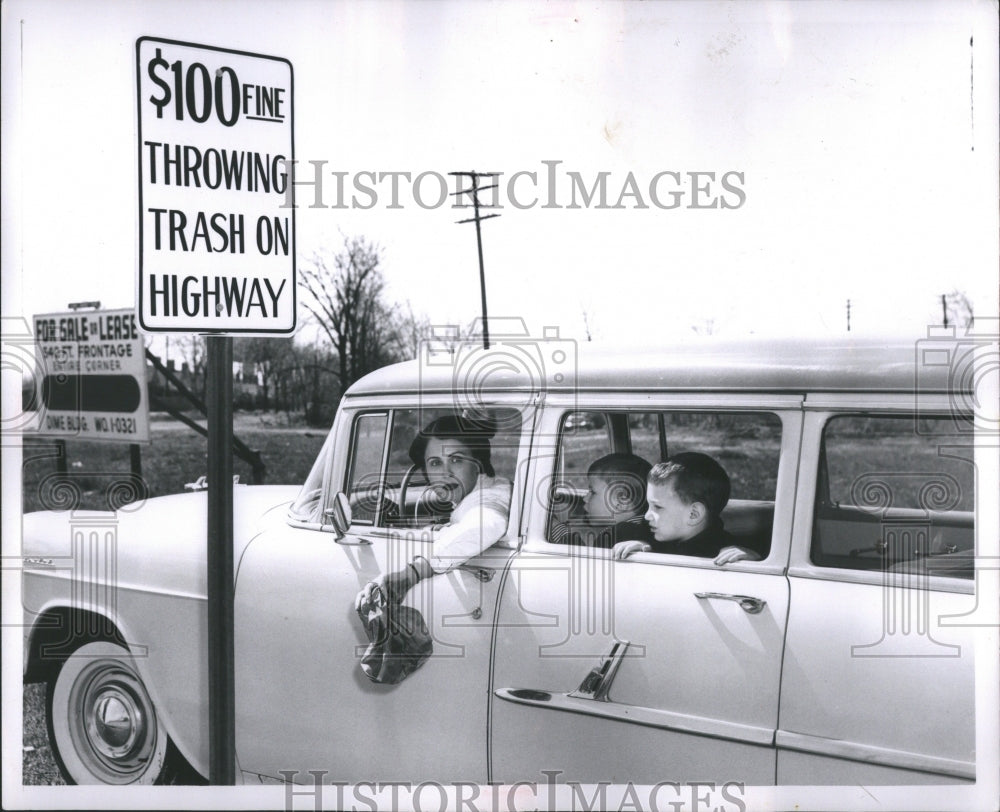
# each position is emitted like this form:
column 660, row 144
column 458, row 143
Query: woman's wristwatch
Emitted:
column 418, row 569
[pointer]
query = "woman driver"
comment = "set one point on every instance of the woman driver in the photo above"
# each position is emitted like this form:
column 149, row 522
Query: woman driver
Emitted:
column 455, row 456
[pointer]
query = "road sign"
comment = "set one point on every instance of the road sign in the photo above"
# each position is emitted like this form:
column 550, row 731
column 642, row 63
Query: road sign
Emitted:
column 216, row 210
column 92, row 382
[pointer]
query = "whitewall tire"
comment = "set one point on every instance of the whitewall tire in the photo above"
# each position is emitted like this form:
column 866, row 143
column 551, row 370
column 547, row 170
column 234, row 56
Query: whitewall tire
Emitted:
column 102, row 723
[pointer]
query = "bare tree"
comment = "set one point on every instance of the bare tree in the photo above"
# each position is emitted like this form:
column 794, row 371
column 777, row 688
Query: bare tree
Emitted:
column 346, row 296
column 194, row 354
column 272, row 360
column 957, row 309
column 411, row 331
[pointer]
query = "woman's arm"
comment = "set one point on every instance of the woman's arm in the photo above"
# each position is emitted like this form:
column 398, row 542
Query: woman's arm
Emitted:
column 477, row 523
column 461, row 540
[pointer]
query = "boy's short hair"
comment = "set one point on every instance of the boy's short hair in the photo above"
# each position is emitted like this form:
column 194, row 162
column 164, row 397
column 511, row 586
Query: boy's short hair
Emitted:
column 694, row 477
column 626, row 470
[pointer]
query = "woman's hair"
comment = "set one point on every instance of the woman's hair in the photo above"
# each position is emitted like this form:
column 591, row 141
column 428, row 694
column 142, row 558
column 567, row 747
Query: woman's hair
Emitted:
column 474, row 435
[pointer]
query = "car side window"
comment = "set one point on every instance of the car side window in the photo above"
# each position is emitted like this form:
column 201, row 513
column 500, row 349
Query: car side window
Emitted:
column 746, row 444
column 585, row 436
column 892, row 496
column 365, row 486
column 386, row 488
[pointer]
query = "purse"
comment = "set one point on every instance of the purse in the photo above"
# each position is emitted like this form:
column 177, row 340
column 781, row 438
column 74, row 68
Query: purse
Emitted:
column 399, row 641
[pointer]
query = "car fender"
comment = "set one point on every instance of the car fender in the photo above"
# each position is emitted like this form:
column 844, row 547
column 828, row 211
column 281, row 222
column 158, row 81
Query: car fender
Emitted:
column 149, row 580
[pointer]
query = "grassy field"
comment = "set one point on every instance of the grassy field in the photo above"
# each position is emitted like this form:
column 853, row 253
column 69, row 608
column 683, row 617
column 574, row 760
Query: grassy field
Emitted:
column 902, row 471
column 175, row 456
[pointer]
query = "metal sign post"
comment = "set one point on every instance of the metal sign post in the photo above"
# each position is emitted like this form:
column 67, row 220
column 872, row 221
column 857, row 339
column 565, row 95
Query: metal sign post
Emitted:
column 216, row 256
column 221, row 654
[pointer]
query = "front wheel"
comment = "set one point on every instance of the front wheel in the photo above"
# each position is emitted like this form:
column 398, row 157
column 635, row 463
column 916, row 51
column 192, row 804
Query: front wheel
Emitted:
column 102, row 723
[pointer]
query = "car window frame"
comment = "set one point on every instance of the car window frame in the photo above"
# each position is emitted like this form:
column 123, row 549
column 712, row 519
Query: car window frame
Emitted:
column 786, row 407
column 350, row 468
column 818, row 410
column 353, row 407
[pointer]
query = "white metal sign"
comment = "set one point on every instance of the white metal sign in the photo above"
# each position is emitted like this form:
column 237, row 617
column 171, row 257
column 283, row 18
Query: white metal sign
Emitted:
column 92, row 382
column 216, row 219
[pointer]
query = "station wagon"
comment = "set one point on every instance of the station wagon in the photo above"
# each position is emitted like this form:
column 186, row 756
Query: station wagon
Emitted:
column 838, row 657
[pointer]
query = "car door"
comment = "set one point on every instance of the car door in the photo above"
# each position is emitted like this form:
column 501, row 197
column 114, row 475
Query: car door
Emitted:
column 879, row 683
column 304, row 702
column 659, row 667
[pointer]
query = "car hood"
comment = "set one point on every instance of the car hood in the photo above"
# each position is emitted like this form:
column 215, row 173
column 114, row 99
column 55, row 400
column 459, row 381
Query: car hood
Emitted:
column 159, row 544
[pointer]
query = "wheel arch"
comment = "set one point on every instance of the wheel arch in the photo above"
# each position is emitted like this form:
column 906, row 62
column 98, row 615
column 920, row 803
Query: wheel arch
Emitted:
column 58, row 632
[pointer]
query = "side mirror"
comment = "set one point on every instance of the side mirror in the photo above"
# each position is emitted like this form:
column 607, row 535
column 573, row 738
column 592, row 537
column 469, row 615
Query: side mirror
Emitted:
column 338, row 515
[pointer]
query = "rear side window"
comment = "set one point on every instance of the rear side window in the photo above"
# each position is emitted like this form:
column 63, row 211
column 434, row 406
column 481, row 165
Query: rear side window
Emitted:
column 746, row 444
column 892, row 496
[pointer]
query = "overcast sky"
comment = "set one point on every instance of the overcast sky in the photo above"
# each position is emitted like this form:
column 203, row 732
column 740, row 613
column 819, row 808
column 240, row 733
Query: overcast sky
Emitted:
column 861, row 139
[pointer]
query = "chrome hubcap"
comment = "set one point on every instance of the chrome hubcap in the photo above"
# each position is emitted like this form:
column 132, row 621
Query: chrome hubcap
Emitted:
column 114, row 722
column 114, row 727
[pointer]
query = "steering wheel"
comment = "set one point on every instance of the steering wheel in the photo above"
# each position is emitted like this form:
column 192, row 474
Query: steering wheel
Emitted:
column 427, row 499
column 403, row 487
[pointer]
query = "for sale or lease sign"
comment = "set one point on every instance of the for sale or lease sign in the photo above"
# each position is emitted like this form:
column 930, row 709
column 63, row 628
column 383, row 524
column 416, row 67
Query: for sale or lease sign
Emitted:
column 216, row 211
column 92, row 376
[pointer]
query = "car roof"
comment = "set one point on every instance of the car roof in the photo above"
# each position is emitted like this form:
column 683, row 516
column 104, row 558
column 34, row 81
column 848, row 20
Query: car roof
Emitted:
column 707, row 364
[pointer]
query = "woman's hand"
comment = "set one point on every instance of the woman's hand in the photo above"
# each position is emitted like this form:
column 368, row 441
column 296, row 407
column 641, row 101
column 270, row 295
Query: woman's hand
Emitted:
column 395, row 585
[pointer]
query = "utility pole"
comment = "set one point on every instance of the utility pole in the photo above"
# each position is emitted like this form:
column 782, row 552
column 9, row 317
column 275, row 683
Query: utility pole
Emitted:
column 477, row 218
column 944, row 309
column 848, row 315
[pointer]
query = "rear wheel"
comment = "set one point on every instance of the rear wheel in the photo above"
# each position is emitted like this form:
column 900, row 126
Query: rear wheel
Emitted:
column 102, row 723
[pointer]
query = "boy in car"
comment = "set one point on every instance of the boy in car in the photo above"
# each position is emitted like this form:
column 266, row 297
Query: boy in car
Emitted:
column 686, row 495
column 614, row 505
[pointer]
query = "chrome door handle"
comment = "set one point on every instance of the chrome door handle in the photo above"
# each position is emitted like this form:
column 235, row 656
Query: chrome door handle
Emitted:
column 352, row 541
column 750, row 605
column 481, row 573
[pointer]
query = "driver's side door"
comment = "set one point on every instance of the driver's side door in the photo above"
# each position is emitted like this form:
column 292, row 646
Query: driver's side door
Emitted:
column 305, row 703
